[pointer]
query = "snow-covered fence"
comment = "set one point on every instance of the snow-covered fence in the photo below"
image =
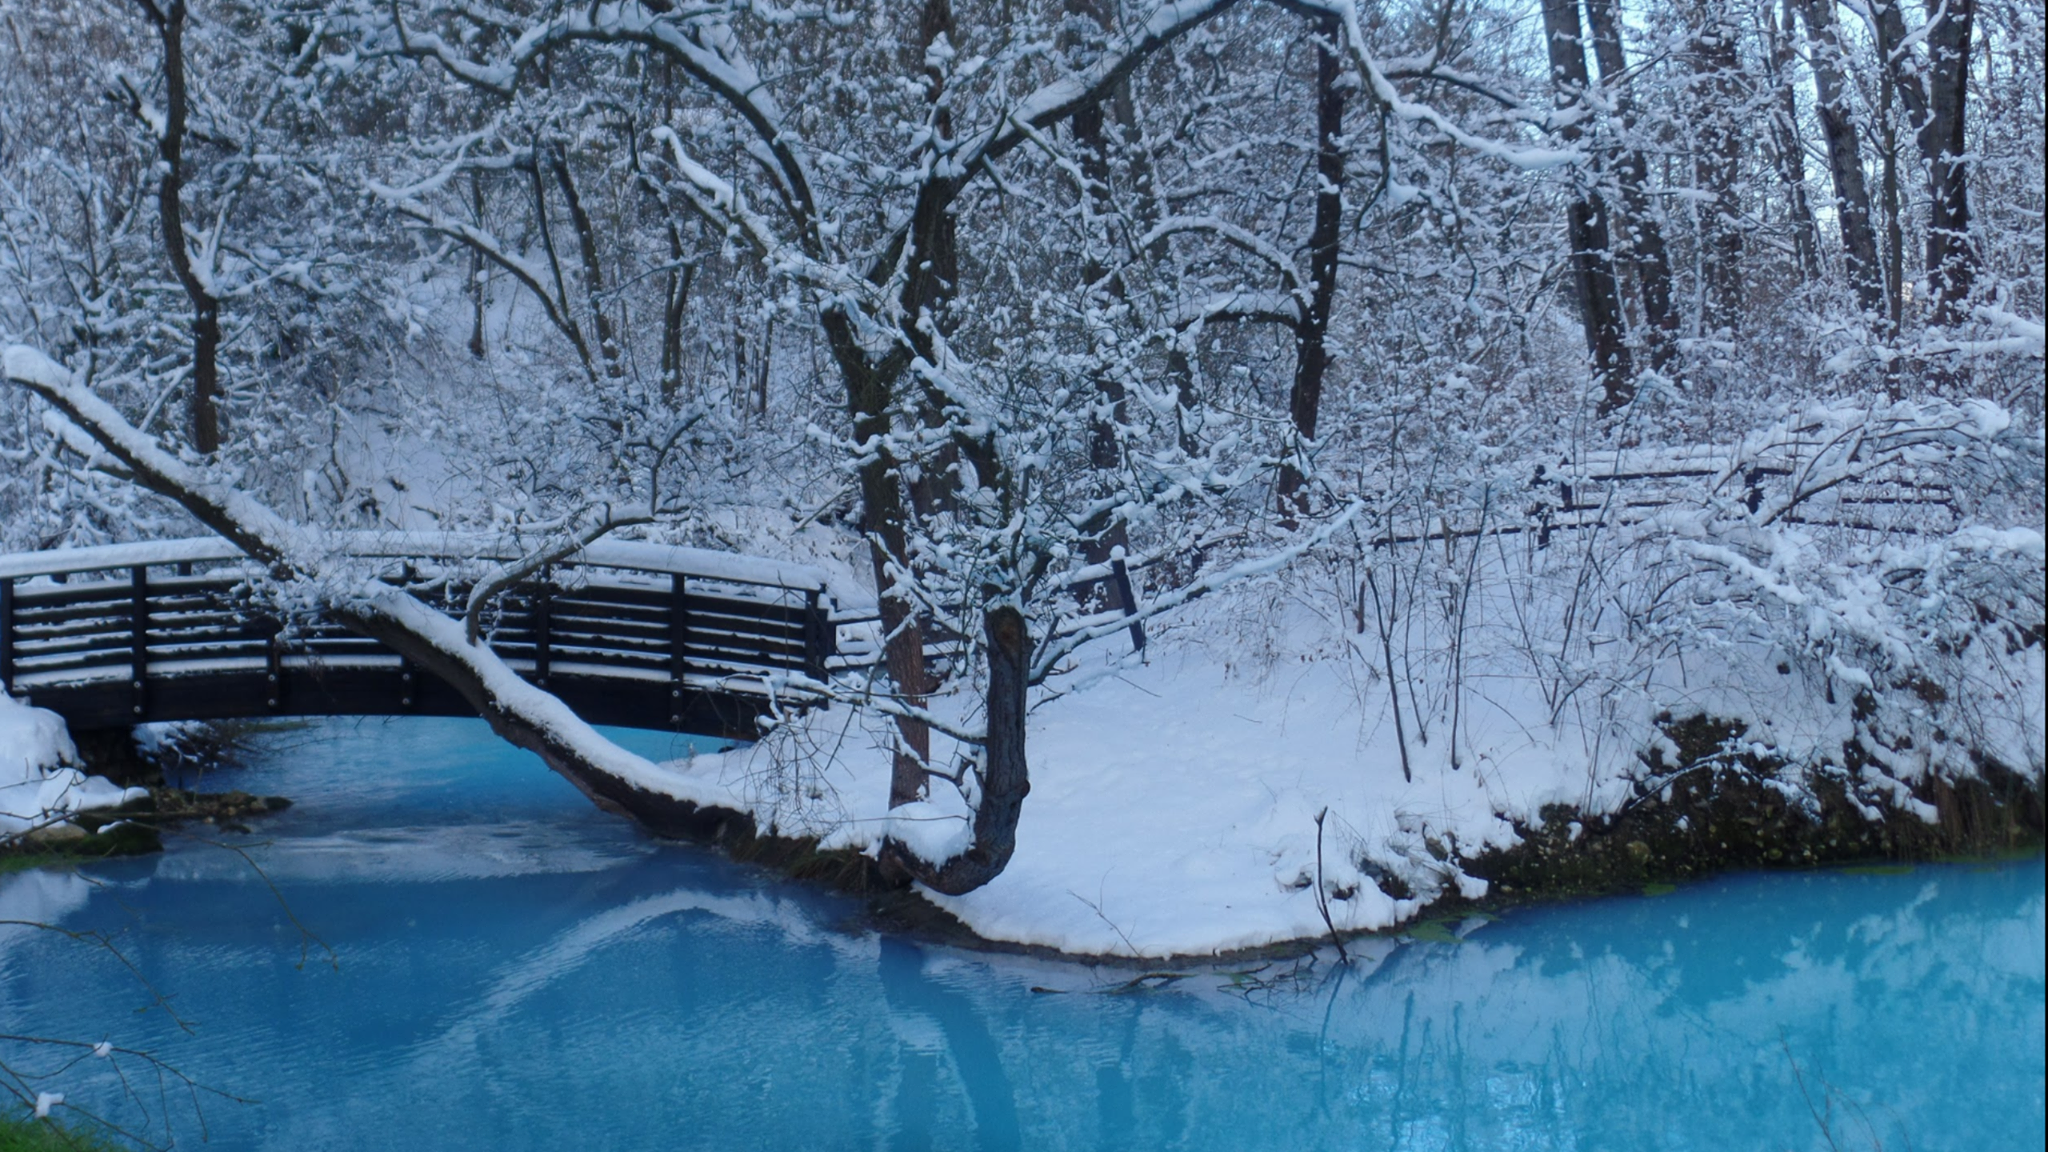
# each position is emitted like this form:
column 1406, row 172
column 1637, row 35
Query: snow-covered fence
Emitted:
column 626, row 633
column 1846, row 577
column 1614, row 488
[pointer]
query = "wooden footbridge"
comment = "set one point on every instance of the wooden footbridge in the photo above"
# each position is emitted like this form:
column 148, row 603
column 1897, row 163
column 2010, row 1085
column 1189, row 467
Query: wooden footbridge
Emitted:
column 628, row 634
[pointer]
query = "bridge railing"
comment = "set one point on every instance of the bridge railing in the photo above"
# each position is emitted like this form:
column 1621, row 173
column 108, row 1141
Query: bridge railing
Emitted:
column 161, row 630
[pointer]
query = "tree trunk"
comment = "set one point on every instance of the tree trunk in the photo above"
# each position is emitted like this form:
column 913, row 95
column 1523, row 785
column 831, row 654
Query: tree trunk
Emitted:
column 1004, row 774
column 1598, row 294
column 1845, row 153
column 658, row 812
column 1717, row 68
column 204, row 411
column 1888, row 189
column 1785, row 141
column 1105, row 450
column 593, row 266
column 477, row 346
column 1311, row 355
column 524, row 715
column 1951, row 262
column 1644, row 232
column 675, row 302
column 869, row 394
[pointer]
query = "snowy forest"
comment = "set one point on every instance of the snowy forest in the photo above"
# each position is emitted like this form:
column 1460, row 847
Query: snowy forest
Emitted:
column 1336, row 433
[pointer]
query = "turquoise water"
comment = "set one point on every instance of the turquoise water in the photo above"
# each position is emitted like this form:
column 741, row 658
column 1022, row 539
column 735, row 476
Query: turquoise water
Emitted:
column 519, row 971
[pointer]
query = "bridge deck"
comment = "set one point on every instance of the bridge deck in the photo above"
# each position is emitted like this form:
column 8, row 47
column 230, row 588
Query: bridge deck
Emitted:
column 631, row 635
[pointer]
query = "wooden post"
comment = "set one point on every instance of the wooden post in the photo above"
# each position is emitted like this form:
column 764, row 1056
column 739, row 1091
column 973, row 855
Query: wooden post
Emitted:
column 7, row 635
column 138, row 634
column 678, row 641
column 816, row 637
column 542, row 625
column 274, row 670
column 1130, row 602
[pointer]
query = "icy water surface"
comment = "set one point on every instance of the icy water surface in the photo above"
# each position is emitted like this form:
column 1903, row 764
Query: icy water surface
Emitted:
column 519, row 971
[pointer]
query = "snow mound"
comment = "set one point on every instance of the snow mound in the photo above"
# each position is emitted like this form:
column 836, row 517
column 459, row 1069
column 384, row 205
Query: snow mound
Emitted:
column 39, row 782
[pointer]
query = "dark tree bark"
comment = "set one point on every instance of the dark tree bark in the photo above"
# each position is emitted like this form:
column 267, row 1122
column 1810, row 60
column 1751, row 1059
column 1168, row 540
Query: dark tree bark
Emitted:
column 1717, row 70
column 1004, row 773
column 593, row 266
column 870, row 393
column 1785, row 140
column 1951, row 262
column 476, row 270
column 1105, row 450
column 1888, row 191
column 1644, row 232
column 675, row 302
column 1598, row 294
column 562, row 312
column 204, row 411
column 1845, row 153
column 1311, row 352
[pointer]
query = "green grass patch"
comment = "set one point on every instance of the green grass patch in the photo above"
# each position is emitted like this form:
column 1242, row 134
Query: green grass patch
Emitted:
column 1432, row 932
column 1878, row 869
column 28, row 1134
column 1659, row 889
column 23, row 861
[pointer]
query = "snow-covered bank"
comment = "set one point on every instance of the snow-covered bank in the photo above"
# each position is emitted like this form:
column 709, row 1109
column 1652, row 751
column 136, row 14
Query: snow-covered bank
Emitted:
column 40, row 783
column 1174, row 802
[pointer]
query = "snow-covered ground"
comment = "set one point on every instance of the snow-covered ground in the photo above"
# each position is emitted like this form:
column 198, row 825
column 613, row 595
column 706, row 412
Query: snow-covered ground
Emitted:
column 39, row 783
column 1174, row 801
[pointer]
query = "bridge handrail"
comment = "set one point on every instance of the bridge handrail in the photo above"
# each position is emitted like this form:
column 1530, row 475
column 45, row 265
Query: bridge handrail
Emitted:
column 675, row 559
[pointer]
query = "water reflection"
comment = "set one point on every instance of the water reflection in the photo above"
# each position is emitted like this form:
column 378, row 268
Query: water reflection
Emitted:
column 636, row 996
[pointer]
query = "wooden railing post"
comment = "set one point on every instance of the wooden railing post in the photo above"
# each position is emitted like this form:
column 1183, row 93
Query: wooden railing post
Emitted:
column 816, row 640
column 1130, row 602
column 138, row 635
column 678, row 641
column 543, row 625
column 7, row 635
column 273, row 661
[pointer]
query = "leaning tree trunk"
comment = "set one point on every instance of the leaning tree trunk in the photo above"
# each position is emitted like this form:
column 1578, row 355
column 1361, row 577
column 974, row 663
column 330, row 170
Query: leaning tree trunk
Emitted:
column 1004, row 773
column 521, row 713
column 659, row 812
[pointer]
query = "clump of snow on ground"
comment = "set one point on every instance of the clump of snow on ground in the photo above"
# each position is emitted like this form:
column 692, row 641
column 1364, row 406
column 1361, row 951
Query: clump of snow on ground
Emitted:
column 39, row 782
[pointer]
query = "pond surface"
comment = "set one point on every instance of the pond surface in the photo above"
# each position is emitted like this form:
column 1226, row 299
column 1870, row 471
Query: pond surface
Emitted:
column 519, row 971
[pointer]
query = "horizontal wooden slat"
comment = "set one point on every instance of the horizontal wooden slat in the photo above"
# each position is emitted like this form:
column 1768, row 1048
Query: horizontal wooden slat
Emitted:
column 25, row 664
column 96, row 626
column 54, row 617
column 67, row 595
column 37, row 646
